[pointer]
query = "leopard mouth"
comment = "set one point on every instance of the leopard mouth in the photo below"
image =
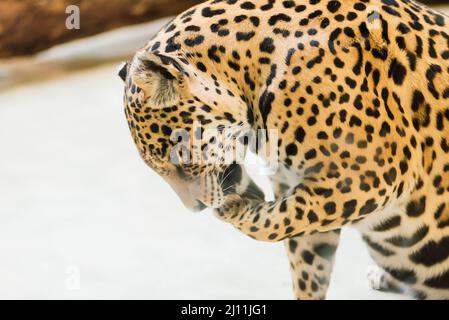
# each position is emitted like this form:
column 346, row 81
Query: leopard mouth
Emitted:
column 230, row 179
column 199, row 206
column 253, row 192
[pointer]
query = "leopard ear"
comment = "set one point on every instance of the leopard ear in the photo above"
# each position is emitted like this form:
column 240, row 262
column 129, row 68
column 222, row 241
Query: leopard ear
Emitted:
column 122, row 70
column 160, row 78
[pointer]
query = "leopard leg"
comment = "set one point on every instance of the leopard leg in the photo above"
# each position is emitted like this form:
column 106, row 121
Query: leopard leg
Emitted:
column 311, row 256
column 314, row 205
column 380, row 280
column 311, row 263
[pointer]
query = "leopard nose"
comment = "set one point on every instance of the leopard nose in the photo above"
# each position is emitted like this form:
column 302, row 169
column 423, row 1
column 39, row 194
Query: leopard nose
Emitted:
column 199, row 206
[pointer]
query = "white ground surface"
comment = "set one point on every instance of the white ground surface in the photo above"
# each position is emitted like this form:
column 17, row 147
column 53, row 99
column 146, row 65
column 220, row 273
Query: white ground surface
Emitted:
column 82, row 217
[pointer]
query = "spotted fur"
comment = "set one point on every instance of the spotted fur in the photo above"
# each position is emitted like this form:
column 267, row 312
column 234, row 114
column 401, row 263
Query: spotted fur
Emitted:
column 359, row 91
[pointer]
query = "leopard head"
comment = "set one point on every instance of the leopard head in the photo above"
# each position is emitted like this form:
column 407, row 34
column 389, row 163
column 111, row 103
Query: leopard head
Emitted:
column 188, row 128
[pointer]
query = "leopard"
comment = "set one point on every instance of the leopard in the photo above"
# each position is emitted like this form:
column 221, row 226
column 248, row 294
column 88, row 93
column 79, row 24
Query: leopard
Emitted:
column 358, row 94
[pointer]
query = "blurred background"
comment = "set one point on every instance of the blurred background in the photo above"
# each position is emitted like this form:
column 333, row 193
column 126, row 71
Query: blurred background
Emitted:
column 81, row 216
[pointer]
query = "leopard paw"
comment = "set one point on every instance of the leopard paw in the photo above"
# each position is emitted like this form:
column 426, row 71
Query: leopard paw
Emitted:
column 231, row 208
column 377, row 278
